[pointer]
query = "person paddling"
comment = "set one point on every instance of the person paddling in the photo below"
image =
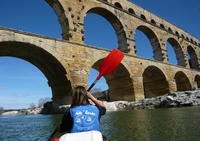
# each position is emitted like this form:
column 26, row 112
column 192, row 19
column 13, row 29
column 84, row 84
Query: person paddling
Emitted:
column 107, row 66
column 82, row 116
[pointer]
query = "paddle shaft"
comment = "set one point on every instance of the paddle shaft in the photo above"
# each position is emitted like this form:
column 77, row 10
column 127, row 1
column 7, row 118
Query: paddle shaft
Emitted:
column 54, row 132
column 91, row 86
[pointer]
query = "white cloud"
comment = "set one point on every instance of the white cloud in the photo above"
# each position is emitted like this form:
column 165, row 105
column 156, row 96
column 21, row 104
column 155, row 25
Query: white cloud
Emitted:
column 22, row 95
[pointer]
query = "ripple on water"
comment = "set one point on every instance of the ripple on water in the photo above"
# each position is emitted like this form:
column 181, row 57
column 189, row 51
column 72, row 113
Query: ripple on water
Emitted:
column 175, row 124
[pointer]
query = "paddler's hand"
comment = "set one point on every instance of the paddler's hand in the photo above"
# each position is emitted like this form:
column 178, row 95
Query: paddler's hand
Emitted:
column 96, row 101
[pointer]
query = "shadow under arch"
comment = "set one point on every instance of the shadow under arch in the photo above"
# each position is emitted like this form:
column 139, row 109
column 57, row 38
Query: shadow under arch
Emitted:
column 182, row 82
column 193, row 60
column 197, row 80
column 45, row 62
column 157, row 54
column 116, row 24
column 119, row 82
column 154, row 82
column 178, row 51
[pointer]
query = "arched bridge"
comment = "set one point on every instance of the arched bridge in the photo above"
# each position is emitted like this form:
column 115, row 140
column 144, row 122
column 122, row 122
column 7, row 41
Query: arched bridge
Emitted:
column 67, row 63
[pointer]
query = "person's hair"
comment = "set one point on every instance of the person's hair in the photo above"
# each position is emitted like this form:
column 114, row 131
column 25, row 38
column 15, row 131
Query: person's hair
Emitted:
column 79, row 96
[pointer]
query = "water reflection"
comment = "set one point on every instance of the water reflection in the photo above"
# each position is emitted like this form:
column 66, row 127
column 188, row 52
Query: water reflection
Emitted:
column 153, row 125
column 175, row 124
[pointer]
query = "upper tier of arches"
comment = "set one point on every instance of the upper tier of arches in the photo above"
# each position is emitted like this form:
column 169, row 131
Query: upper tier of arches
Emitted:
column 125, row 20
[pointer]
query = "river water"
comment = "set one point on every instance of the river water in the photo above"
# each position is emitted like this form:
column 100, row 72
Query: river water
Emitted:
column 174, row 124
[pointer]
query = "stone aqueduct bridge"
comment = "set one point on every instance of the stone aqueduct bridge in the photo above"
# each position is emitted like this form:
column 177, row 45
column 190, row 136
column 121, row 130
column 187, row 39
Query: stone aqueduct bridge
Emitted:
column 67, row 63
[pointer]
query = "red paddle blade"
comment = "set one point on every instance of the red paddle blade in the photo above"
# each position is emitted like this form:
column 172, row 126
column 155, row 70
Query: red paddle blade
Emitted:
column 110, row 63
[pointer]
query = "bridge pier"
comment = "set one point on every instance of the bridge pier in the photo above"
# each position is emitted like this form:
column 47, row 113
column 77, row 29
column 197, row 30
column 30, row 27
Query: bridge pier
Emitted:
column 138, row 87
column 172, row 85
column 79, row 76
column 61, row 92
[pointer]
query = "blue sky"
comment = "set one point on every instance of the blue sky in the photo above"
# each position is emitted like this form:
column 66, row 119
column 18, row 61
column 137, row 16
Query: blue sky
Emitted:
column 21, row 83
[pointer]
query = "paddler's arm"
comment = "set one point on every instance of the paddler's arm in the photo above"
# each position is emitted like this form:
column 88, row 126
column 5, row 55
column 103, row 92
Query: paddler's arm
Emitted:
column 96, row 101
column 67, row 122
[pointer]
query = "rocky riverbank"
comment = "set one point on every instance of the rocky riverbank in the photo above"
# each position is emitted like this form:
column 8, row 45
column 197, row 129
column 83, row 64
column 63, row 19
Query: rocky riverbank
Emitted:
column 22, row 111
column 175, row 99
column 47, row 108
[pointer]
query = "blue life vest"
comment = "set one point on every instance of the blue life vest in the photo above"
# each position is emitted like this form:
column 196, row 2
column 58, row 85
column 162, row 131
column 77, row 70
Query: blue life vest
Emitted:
column 85, row 118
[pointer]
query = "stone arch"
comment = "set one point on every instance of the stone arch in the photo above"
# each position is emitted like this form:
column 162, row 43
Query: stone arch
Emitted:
column 197, row 80
column 118, row 5
column 193, row 61
column 131, row 11
column 162, row 26
column 177, row 33
column 178, row 51
column 153, row 40
column 182, row 36
column 153, row 21
column 143, row 17
column 62, row 17
column 191, row 41
column 45, row 62
column 154, row 82
column 182, row 82
column 116, row 24
column 119, row 82
column 170, row 30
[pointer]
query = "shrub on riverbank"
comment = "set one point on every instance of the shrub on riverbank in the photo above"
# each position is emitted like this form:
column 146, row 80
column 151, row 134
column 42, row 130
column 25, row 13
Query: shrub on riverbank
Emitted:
column 1, row 110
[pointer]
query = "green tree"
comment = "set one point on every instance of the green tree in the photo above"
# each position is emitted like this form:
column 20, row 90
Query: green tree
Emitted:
column 32, row 106
column 42, row 101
